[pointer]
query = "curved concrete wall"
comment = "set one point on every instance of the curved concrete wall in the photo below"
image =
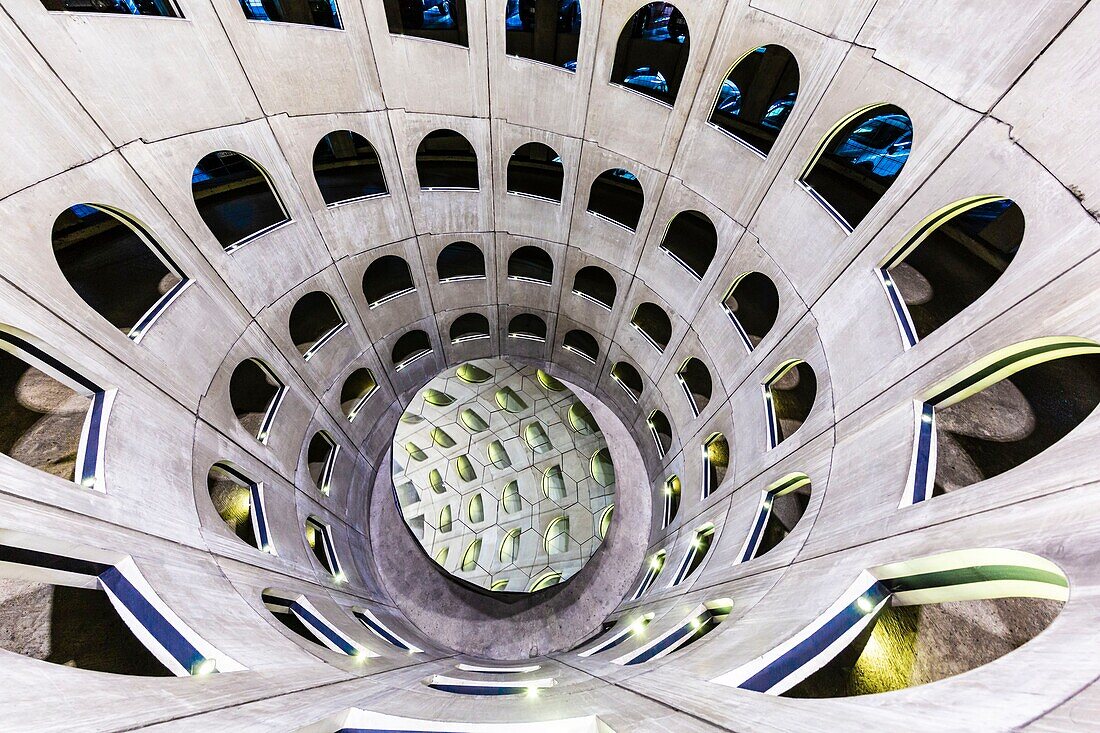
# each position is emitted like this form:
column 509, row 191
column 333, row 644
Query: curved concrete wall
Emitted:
column 117, row 110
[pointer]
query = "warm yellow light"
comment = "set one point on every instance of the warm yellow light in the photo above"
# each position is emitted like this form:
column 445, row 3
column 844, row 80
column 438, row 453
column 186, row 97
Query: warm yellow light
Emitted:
column 637, row 627
column 863, row 603
column 696, row 624
column 655, row 563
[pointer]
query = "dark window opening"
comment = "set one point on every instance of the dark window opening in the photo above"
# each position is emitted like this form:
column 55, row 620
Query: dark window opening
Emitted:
column 235, row 198
column 410, row 347
column 859, row 161
column 653, row 323
column 942, row 271
column 469, row 327
column 716, row 461
column 694, row 377
column 319, row 539
column 233, row 501
column 255, row 393
column 346, row 168
column 700, row 546
column 115, row 265
column 314, row 320
column 691, row 240
column 652, row 52
column 321, row 459
column 752, row 303
column 446, row 160
column 357, row 389
column 661, row 430
column 786, row 510
column 536, row 170
column 629, row 379
column 583, row 344
column 757, row 97
column 791, row 396
column 322, row 13
column 385, row 279
column 460, row 261
column 595, row 284
column 617, row 196
column 437, row 20
column 527, row 326
column 672, row 492
column 163, row 8
column 531, row 264
column 547, row 31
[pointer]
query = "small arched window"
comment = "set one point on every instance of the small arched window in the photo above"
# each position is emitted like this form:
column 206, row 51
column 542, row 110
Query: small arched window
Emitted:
column 950, row 260
column 652, row 322
column 162, row 8
column 653, row 568
column 536, row 170
column 536, row 438
column 583, row 344
column 470, row 557
column 595, row 284
column 255, row 394
column 116, row 266
column 531, row 264
column 617, row 196
column 789, row 394
column 320, row 540
column 509, row 401
column 553, row 484
column 346, row 168
column 652, row 52
column 782, row 504
column 446, row 160
column 661, row 430
column 357, row 389
column 239, row 501
column 752, row 303
column 557, row 536
column 700, row 545
column 716, row 460
column 691, row 240
column 510, row 498
column 469, row 327
column 385, row 279
column 581, row 419
column 509, row 546
column 321, row 460
column 472, row 374
column 544, row 581
column 694, row 378
column 460, row 261
column 527, row 326
column 628, row 378
column 410, row 347
column 547, row 31
column 235, row 198
column 437, row 20
column 314, row 320
column 322, row 13
column 602, row 467
column 757, row 97
column 671, row 501
column 858, row 160
column 498, row 456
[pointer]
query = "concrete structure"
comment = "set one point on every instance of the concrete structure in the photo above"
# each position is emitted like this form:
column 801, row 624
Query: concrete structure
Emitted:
column 281, row 601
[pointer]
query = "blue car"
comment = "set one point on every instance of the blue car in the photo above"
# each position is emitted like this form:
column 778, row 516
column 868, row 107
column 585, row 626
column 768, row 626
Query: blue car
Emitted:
column 778, row 112
column 879, row 146
column 645, row 78
column 729, row 99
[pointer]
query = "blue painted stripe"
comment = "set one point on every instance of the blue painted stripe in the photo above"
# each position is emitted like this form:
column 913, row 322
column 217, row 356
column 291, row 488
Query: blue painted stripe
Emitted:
column 650, row 576
column 260, row 515
column 480, row 689
column 45, row 358
column 807, row 649
column 151, row 315
column 758, row 529
column 91, row 444
column 388, row 730
column 323, row 628
column 924, row 453
column 380, row 631
column 739, row 328
column 769, row 408
column 673, row 639
column 167, row 635
column 900, row 311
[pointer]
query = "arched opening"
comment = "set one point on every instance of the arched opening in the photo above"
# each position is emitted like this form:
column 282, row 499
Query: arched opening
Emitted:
column 255, row 394
column 553, row 484
column 410, row 347
column 162, row 8
column 691, row 240
column 694, row 378
column 324, row 13
column 437, row 20
column 54, row 419
column 321, row 459
column 460, row 261
column 527, row 326
column 671, row 502
column 596, row 285
column 858, row 160
column 653, row 568
column 464, row 468
column 716, row 460
column 536, row 170
column 446, row 160
column 583, row 344
column 239, row 501
column 510, row 499
column 950, row 260
column 698, row 549
column 509, row 401
column 1001, row 412
column 472, row 374
column 702, row 620
column 581, row 420
column 509, row 546
column 498, row 456
column 627, row 377
column 752, row 303
column 469, row 327
column 789, row 395
column 536, row 438
column 547, row 31
column 545, row 581
column 531, row 264
column 602, row 467
column 472, row 421
column 382, row 631
column 314, row 320
column 116, row 266
column 346, row 168
column 652, row 322
column 319, row 539
column 616, row 196
column 557, row 536
column 296, row 613
column 387, row 278
column 470, row 557
column 357, row 389
column 782, row 504
column 757, row 97
column 652, row 52
column 235, row 198
column 661, row 430
column 605, row 522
